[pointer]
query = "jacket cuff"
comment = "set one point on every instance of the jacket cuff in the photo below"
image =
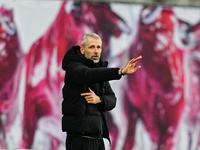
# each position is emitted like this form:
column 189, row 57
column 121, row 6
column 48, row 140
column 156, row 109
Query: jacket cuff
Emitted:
column 102, row 104
column 118, row 75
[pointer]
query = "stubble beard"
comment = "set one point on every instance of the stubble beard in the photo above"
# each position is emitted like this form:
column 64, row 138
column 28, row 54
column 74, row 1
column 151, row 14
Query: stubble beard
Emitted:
column 96, row 61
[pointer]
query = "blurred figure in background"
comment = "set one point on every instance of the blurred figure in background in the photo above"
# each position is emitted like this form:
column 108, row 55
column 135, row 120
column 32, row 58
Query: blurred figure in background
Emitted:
column 160, row 103
column 11, row 58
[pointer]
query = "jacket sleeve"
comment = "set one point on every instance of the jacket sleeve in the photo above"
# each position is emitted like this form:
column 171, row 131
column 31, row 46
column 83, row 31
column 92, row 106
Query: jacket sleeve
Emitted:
column 81, row 74
column 108, row 99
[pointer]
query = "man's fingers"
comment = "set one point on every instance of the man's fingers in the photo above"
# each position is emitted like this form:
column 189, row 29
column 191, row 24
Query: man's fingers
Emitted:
column 85, row 94
column 90, row 90
column 140, row 57
column 138, row 67
column 136, row 59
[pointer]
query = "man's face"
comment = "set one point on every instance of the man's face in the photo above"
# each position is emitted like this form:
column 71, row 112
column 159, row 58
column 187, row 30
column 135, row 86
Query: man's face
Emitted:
column 92, row 49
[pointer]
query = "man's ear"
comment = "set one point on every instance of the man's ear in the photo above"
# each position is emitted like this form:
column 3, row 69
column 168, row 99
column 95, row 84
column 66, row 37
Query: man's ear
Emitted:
column 82, row 50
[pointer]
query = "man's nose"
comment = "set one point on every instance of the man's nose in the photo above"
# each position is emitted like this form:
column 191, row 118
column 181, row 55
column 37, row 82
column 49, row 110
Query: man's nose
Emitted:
column 96, row 50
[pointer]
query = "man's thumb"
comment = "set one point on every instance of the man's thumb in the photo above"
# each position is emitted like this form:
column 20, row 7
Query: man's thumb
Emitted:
column 90, row 90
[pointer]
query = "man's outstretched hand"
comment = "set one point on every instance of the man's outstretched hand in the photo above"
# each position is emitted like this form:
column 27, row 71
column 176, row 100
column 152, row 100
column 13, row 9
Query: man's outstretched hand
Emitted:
column 130, row 67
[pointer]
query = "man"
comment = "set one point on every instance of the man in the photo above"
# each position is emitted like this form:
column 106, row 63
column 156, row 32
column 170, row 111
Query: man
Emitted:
column 88, row 95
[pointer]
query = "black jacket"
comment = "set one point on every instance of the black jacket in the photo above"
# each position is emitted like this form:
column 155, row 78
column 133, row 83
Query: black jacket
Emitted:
column 82, row 73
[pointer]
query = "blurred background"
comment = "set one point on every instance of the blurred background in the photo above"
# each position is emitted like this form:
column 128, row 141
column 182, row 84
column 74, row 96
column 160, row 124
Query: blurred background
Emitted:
column 158, row 107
